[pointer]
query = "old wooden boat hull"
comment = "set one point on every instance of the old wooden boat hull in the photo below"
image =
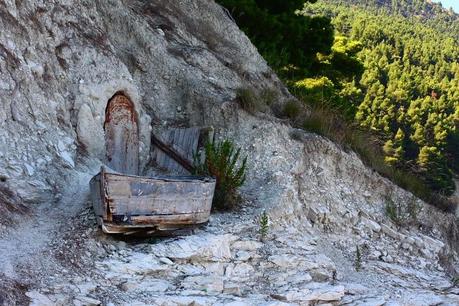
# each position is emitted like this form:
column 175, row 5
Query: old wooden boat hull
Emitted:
column 129, row 204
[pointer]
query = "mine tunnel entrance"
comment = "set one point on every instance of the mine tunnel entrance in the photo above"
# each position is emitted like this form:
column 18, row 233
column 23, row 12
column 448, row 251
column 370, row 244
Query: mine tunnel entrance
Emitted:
column 121, row 135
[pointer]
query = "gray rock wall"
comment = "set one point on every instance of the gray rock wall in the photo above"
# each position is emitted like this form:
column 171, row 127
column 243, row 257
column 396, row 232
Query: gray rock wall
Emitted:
column 180, row 62
column 61, row 61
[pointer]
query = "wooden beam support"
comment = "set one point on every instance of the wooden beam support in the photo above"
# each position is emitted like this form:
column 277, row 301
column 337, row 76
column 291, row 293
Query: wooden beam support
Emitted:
column 172, row 153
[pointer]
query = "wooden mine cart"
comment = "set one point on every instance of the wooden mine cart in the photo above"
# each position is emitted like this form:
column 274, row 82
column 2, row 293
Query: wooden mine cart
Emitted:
column 127, row 203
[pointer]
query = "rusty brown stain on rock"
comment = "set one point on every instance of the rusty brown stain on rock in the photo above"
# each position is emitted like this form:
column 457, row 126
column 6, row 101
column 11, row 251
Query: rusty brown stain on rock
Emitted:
column 121, row 135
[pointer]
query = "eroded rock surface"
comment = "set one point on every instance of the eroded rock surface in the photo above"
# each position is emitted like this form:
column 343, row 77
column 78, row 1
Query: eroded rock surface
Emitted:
column 224, row 263
column 180, row 62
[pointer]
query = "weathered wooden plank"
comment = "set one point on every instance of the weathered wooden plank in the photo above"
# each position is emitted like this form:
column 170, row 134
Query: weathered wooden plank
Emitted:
column 151, row 202
column 154, row 224
column 140, row 206
column 104, row 197
column 161, row 197
column 156, row 189
column 117, row 187
column 173, row 154
column 96, row 195
column 183, row 141
column 175, row 178
column 160, row 205
column 171, row 219
column 130, row 195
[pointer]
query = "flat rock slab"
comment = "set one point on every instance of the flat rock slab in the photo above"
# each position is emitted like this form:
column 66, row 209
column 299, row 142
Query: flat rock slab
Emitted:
column 196, row 248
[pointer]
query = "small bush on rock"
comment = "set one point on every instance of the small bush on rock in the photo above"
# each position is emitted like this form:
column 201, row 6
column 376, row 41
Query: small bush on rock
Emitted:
column 222, row 161
column 402, row 214
column 264, row 225
column 358, row 259
column 248, row 100
column 269, row 96
column 293, row 109
column 252, row 101
column 393, row 211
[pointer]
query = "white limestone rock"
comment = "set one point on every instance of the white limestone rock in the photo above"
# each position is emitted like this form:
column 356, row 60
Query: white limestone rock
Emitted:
column 38, row 299
column 147, row 285
column 246, row 245
column 204, row 283
column 197, row 248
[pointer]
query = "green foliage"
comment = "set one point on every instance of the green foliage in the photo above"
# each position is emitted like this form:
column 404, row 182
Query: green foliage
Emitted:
column 293, row 109
column 392, row 68
column 268, row 96
column 281, row 36
column 279, row 7
column 334, row 82
column 358, row 259
column 431, row 13
column 315, row 88
column 393, row 148
column 452, row 152
column 222, row 162
column 402, row 214
column 409, row 89
column 264, row 225
column 436, row 170
column 393, row 211
column 248, row 100
column 328, row 122
column 343, row 63
column 254, row 102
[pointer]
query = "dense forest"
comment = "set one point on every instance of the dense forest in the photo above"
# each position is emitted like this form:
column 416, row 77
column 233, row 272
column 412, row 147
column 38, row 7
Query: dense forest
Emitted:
column 431, row 13
column 410, row 83
column 390, row 67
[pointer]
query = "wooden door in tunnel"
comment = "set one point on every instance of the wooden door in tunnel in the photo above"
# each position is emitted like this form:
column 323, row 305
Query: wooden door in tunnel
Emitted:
column 121, row 135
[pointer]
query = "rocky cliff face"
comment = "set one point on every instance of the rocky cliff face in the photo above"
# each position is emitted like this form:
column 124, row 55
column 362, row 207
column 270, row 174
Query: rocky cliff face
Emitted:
column 180, row 62
column 62, row 62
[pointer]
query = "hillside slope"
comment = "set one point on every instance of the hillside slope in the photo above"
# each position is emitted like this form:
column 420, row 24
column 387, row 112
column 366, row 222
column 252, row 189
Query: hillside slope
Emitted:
column 181, row 63
column 422, row 9
column 407, row 93
column 431, row 14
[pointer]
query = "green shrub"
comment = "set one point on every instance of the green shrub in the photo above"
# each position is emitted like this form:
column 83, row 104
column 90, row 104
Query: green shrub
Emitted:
column 269, row 96
column 435, row 170
column 393, row 211
column 326, row 122
column 292, row 109
column 264, row 225
column 248, row 100
column 402, row 214
column 358, row 259
column 222, row 162
column 253, row 102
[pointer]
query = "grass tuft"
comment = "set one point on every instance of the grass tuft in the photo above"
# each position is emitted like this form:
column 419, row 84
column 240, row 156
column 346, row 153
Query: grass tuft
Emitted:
column 293, row 109
column 249, row 100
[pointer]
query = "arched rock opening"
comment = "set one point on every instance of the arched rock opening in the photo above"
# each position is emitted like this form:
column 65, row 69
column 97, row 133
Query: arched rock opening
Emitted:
column 121, row 135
